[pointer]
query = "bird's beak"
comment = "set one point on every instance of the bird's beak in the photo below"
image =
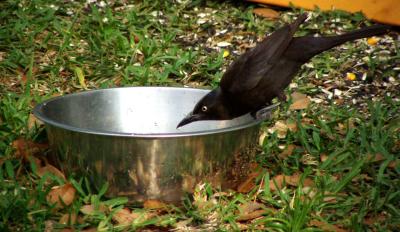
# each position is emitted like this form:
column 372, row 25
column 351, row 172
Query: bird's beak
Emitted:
column 188, row 119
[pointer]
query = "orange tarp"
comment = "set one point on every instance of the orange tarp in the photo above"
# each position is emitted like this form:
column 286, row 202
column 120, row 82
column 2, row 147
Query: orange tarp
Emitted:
column 384, row 11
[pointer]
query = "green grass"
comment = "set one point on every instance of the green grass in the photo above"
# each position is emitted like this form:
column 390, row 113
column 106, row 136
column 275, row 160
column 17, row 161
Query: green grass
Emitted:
column 43, row 44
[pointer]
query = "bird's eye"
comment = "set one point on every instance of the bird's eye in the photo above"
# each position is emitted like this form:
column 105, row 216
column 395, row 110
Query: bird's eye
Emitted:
column 204, row 108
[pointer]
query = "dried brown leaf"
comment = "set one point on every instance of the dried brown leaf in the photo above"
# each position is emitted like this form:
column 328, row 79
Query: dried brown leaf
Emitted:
column 24, row 149
column 87, row 209
column 394, row 163
column 339, row 101
column 288, row 151
column 124, row 216
column 370, row 220
column 49, row 225
column 136, row 38
column 281, row 127
column 293, row 180
column 379, row 157
column 154, row 204
column 307, row 121
column 249, row 183
column 300, row 101
column 277, row 182
column 266, row 13
column 48, row 168
column 182, row 225
column 292, row 126
column 249, row 207
column 33, row 121
column 250, row 210
column 325, row 226
column 375, row 157
column 61, row 195
column 68, row 219
column 251, row 215
column 331, row 199
column 90, row 209
column 323, row 157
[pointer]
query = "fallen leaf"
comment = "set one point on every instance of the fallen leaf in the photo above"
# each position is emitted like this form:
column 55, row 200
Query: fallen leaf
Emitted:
column 323, row 157
column 281, row 127
column 61, row 195
column 277, row 182
column 293, row 180
column 33, row 122
column 68, row 219
column 124, row 216
column 300, row 101
column 48, row 168
column 341, row 128
column 49, row 225
column 266, row 13
column 379, row 157
column 182, row 225
column 307, row 121
column 252, row 215
column 90, row 209
column 2, row 55
column 292, row 126
column 288, row 151
column 87, row 209
column 394, row 163
column 25, row 149
column 339, row 101
column 154, row 204
column 250, row 210
column 375, row 157
column 136, row 38
column 325, row 226
column 249, row 183
column 370, row 220
column 330, row 199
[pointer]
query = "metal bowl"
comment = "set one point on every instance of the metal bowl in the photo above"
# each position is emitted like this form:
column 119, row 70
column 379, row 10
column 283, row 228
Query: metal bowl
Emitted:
column 128, row 138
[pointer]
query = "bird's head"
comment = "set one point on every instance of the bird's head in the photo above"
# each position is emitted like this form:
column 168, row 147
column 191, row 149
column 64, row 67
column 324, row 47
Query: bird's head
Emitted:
column 213, row 106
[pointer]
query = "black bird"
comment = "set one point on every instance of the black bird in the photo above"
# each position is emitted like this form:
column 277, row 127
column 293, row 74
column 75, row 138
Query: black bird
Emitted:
column 262, row 73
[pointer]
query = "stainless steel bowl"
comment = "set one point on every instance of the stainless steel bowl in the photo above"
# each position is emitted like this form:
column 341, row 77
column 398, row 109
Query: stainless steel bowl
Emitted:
column 128, row 137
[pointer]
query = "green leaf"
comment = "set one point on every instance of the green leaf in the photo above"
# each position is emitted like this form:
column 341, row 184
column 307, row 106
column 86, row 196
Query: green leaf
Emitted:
column 317, row 140
column 78, row 187
column 9, row 169
column 103, row 189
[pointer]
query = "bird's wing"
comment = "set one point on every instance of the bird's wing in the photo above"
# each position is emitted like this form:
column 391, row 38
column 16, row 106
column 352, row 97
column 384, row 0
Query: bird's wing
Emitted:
column 247, row 71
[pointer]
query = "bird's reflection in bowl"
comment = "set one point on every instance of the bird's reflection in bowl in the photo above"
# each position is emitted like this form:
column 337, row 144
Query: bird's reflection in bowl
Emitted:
column 128, row 137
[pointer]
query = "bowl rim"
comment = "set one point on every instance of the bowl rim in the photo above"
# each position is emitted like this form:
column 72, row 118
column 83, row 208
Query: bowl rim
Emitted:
column 38, row 112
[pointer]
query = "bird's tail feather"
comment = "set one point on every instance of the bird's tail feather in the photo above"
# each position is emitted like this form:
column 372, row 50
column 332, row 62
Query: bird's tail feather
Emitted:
column 311, row 46
column 357, row 34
